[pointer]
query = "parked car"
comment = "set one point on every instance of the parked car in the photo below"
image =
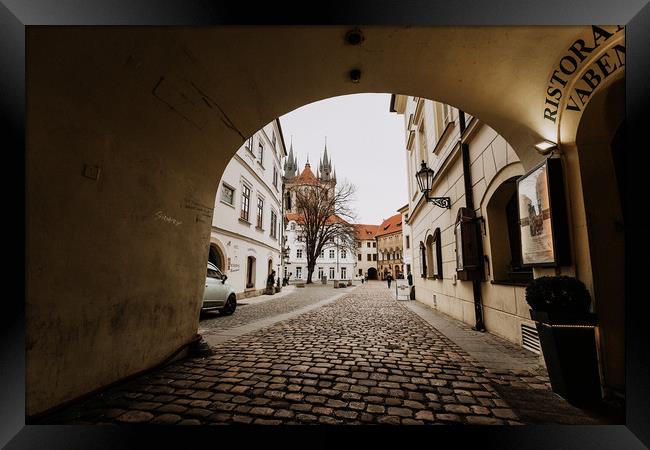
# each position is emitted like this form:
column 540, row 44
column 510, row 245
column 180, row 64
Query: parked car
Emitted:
column 218, row 295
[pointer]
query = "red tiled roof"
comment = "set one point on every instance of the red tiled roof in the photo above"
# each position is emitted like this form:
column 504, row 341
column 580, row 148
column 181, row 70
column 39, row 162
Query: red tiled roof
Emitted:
column 366, row 232
column 391, row 225
column 306, row 176
column 298, row 218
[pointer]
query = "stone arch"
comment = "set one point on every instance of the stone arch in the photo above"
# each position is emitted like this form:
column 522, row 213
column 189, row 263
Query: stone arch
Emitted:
column 217, row 254
column 179, row 82
column 599, row 152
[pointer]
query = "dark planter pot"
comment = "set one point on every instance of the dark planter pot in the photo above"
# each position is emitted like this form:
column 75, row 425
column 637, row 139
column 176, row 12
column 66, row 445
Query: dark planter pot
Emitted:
column 569, row 347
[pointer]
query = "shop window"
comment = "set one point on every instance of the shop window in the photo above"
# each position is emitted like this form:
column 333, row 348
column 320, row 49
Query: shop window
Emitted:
column 505, row 241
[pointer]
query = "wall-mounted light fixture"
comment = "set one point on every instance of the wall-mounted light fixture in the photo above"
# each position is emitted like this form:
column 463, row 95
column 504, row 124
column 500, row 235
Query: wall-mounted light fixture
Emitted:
column 425, row 181
column 545, row 147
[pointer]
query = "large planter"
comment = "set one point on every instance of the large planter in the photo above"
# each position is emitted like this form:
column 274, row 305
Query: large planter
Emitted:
column 569, row 347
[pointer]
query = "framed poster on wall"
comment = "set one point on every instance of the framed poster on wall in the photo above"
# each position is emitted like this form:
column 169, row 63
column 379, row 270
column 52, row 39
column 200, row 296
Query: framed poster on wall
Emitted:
column 542, row 216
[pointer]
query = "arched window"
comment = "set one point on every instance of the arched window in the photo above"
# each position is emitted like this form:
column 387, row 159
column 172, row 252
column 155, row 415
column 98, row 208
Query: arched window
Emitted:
column 423, row 260
column 434, row 255
column 505, row 243
column 216, row 257
column 250, row 272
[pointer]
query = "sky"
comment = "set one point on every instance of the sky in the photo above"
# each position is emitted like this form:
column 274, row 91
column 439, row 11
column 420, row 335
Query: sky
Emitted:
column 365, row 143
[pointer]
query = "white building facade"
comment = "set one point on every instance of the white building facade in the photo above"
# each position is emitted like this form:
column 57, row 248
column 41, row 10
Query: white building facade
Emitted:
column 246, row 225
column 366, row 251
column 335, row 261
column 491, row 168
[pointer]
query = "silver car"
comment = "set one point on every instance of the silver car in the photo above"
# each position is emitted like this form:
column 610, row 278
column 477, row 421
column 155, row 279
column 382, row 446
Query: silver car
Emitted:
column 218, row 294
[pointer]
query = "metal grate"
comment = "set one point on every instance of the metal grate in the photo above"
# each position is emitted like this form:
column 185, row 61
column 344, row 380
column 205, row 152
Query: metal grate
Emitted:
column 530, row 338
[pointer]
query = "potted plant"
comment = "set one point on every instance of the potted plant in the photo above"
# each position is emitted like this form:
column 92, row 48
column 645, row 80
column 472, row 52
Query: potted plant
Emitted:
column 566, row 329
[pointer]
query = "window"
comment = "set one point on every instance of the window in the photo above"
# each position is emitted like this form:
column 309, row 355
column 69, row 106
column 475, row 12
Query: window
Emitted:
column 293, row 226
column 505, row 241
column 260, row 211
column 274, row 224
column 446, row 114
column 359, row 256
column 423, row 260
column 344, row 254
column 227, row 194
column 374, row 244
column 287, row 201
column 320, row 273
column 369, row 257
column 245, row 202
column 422, row 138
column 250, row 272
column 368, row 244
column 249, row 144
column 331, row 272
column 408, row 242
column 299, row 253
column 434, row 255
column 299, row 272
column 331, row 253
column 374, row 256
column 273, row 139
column 260, row 152
column 275, row 177
column 343, row 272
column 360, row 272
column 322, row 253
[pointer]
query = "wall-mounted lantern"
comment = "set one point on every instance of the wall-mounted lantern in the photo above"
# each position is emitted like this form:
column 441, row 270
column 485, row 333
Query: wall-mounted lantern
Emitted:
column 425, row 181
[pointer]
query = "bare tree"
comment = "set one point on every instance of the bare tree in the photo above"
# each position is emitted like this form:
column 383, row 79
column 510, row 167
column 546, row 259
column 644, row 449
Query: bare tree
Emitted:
column 326, row 218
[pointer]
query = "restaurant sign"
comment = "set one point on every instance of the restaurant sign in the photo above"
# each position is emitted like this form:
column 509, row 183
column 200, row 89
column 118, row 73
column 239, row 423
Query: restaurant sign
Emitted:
column 587, row 63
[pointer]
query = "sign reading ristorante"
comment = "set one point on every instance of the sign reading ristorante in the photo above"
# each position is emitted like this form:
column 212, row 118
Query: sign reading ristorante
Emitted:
column 586, row 64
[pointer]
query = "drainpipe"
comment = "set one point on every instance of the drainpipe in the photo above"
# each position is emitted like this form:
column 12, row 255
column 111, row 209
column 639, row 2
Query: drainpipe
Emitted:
column 469, row 202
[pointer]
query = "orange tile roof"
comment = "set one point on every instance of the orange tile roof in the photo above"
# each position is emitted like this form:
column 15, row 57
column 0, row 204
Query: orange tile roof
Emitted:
column 298, row 218
column 306, row 176
column 366, row 232
column 391, row 225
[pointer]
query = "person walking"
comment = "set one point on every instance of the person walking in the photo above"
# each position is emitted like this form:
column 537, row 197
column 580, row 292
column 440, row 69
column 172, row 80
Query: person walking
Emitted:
column 389, row 278
column 409, row 277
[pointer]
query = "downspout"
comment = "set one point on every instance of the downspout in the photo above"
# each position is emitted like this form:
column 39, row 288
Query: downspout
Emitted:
column 469, row 202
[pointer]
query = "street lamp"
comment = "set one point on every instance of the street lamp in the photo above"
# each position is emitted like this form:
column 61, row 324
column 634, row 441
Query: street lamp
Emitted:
column 425, row 180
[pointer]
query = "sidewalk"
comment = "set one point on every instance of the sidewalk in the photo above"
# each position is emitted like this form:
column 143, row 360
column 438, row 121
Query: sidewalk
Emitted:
column 518, row 375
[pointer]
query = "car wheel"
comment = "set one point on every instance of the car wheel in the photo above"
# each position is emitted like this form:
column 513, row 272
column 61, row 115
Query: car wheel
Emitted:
column 230, row 307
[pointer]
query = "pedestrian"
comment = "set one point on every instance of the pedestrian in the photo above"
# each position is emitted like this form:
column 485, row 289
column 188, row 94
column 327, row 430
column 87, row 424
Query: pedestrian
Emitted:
column 389, row 278
column 409, row 277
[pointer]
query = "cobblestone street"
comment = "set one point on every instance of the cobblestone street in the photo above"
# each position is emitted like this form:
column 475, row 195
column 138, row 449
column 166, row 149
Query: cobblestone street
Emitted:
column 363, row 358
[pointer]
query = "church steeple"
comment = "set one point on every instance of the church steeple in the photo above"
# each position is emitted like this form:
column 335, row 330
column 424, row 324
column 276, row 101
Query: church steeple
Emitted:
column 290, row 164
column 325, row 166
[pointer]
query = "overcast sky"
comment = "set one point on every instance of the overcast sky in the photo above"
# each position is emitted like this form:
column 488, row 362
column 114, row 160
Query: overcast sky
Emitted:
column 365, row 143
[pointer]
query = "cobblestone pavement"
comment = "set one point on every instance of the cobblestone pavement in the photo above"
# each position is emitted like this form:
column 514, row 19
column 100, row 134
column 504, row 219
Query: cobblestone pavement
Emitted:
column 362, row 359
column 255, row 310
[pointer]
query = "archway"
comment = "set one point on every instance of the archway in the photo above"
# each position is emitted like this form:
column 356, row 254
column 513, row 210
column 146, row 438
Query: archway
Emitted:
column 216, row 257
column 138, row 177
column 372, row 273
column 601, row 152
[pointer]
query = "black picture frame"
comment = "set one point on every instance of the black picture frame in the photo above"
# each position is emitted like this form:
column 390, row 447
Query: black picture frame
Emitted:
column 544, row 231
column 14, row 20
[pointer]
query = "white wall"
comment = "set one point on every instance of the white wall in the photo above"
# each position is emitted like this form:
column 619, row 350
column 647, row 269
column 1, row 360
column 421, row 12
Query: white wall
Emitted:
column 364, row 250
column 347, row 264
column 237, row 238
